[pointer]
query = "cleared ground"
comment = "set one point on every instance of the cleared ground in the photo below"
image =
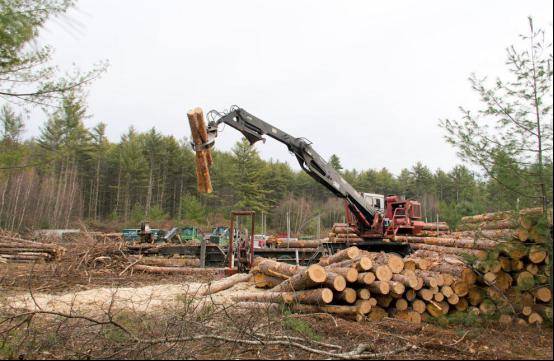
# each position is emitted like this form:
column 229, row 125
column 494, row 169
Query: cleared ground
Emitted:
column 87, row 307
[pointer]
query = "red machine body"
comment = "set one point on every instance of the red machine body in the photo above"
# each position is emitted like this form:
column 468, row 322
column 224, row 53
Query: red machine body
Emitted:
column 400, row 217
column 403, row 216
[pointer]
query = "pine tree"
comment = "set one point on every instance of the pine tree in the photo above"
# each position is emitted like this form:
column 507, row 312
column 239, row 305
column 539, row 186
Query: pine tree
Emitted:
column 515, row 122
column 247, row 181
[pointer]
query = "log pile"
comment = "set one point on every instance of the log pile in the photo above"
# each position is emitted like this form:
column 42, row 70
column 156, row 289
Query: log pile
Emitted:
column 275, row 242
column 508, row 252
column 203, row 156
column 343, row 232
column 13, row 248
column 366, row 285
column 496, row 275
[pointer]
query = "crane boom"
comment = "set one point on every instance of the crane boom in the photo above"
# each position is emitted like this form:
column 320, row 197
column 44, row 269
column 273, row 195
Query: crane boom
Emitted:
column 253, row 128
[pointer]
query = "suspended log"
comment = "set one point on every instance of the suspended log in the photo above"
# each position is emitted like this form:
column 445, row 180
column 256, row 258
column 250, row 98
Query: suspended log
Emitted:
column 202, row 157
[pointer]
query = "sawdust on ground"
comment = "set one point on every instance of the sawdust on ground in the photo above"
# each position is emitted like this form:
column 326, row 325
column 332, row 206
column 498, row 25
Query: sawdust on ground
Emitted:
column 135, row 299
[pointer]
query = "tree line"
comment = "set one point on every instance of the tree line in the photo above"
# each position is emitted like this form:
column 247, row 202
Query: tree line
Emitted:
column 70, row 172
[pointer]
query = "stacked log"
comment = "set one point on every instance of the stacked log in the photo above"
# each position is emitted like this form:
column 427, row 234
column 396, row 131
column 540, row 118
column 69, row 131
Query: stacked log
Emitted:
column 508, row 252
column 343, row 233
column 363, row 285
column 16, row 249
column 203, row 156
column 285, row 243
column 490, row 276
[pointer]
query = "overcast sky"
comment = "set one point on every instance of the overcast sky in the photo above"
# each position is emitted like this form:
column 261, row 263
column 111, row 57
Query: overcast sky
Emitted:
column 366, row 80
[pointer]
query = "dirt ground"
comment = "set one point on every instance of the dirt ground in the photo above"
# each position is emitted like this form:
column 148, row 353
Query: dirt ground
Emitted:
column 159, row 307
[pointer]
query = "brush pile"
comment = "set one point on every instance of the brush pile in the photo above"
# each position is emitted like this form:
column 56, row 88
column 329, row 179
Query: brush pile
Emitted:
column 13, row 248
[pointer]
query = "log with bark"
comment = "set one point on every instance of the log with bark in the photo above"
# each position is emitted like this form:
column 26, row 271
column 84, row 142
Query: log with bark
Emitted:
column 203, row 156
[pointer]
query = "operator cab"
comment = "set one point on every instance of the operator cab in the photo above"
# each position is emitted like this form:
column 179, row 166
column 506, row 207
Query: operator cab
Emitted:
column 374, row 200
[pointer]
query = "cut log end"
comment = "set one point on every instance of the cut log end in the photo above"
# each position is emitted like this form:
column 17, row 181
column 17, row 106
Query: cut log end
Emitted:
column 317, row 273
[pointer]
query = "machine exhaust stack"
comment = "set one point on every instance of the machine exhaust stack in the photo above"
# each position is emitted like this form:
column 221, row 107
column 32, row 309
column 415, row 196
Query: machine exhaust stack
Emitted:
column 201, row 144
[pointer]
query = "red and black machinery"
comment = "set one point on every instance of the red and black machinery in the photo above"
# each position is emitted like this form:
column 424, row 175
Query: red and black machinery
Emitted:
column 373, row 224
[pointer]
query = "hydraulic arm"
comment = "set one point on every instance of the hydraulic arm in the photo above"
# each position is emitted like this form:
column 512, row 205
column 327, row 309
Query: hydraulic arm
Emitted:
column 253, row 128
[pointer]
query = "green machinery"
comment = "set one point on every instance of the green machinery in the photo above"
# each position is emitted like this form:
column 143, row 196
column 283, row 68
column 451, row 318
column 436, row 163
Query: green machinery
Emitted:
column 174, row 235
column 220, row 235
column 189, row 233
column 135, row 235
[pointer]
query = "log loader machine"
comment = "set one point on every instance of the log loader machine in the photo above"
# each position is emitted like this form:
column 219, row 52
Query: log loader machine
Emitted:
column 375, row 218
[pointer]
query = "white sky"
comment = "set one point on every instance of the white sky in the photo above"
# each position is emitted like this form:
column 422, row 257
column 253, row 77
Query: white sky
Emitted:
column 366, row 80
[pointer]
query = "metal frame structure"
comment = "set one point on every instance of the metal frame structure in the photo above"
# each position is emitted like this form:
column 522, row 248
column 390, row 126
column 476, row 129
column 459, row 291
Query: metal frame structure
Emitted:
column 243, row 263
